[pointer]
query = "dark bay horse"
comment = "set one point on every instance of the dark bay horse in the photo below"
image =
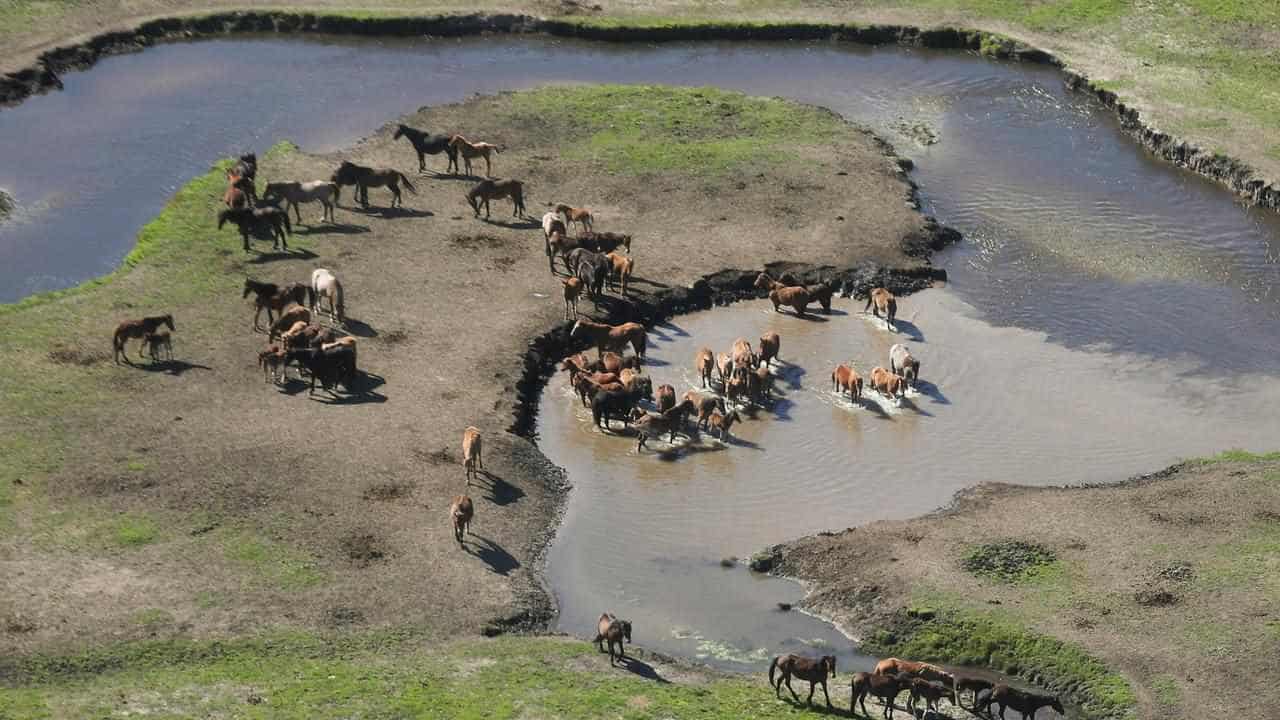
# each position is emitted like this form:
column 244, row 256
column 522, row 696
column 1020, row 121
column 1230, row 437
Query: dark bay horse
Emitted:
column 270, row 296
column 487, row 190
column 815, row 670
column 268, row 219
column 349, row 173
column 240, row 192
column 613, row 631
column 1024, row 702
column 426, row 143
column 246, row 166
column 136, row 330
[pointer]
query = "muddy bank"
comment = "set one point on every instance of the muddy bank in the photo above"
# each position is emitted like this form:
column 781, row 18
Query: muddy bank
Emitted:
column 1062, row 586
column 43, row 75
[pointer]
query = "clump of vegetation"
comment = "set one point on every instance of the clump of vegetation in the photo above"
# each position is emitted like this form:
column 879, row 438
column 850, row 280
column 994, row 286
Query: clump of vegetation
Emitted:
column 1008, row 560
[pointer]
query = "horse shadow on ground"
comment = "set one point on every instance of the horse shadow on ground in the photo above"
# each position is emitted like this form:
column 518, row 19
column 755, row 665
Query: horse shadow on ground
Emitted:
column 170, row 367
column 636, row 279
column 833, row 311
column 932, row 392
column 810, row 316
column 388, row 212
column 331, row 229
column 437, row 175
column 872, row 407
column 908, row 328
column 643, row 669
column 517, row 224
column 501, row 492
column 362, row 392
column 359, row 328
column 290, row 254
column 491, row 553
column 907, row 404
column 790, row 374
column 780, row 408
column 672, row 328
column 818, row 706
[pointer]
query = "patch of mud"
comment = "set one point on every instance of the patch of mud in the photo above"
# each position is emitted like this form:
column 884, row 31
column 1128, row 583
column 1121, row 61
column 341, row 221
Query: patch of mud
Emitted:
column 364, row 548
column 472, row 242
column 443, row 456
column 343, row 617
column 1156, row 596
column 73, row 356
column 387, row 491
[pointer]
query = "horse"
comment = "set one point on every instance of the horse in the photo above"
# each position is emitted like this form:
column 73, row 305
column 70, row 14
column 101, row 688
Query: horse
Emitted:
column 246, row 166
column 472, row 449
column 665, row 397
column 622, row 266
column 612, row 630
column 888, row 384
column 296, row 193
column 902, row 363
column 559, row 244
column 845, row 378
column 289, row 316
column 158, row 344
column 705, row 405
column 617, row 404
column 742, row 355
column 267, row 219
column 270, row 296
column 461, row 512
column 572, row 289
column 600, row 268
column 324, row 284
column 669, row 421
column 822, row 292
column 469, row 151
column 815, row 670
column 425, row 143
column 604, row 242
column 928, row 671
column 137, row 330
column 770, row 344
column 932, row 692
column 975, row 684
column 885, row 687
column 611, row 337
column 879, row 301
column 724, row 367
column 552, row 226
column 794, row 295
column 240, row 192
column 348, row 173
column 487, row 190
column 572, row 215
column 1027, row 703
column 704, row 361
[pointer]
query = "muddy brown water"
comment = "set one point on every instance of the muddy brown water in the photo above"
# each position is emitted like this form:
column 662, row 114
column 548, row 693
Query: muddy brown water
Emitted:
column 1134, row 306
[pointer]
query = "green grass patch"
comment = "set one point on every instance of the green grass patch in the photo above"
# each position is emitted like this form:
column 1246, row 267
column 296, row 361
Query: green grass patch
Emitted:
column 153, row 618
column 1164, row 688
column 993, row 639
column 18, row 16
column 133, row 531
column 273, row 563
column 1237, row 456
column 642, row 129
column 1010, row 561
column 301, row 676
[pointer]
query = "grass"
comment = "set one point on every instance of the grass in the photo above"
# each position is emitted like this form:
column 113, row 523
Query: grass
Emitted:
column 270, row 562
column 994, row 639
column 374, row 676
column 643, row 129
column 133, row 531
column 1009, row 561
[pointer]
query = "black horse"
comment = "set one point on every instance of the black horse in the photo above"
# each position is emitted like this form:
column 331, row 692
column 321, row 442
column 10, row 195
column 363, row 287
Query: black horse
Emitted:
column 246, row 167
column 265, row 219
column 428, row 144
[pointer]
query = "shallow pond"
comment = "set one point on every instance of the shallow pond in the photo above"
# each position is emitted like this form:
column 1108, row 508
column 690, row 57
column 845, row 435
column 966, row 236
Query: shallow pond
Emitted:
column 644, row 532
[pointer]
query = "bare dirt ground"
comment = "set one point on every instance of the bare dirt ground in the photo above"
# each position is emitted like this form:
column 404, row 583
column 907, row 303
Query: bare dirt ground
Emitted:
column 234, row 506
column 1170, row 580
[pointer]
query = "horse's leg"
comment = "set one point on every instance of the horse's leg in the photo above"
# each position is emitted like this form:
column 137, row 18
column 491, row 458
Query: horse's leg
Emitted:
column 488, row 168
column 787, row 677
column 422, row 161
column 824, row 692
column 809, row 700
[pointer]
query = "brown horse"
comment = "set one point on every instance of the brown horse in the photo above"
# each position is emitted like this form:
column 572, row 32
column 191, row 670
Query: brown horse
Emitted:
column 770, row 345
column 461, row 513
column 621, row 266
column 704, row 361
column 882, row 301
column 272, row 297
column 240, row 192
column 472, row 448
column 611, row 337
column 136, row 330
column 815, row 670
column 665, row 397
column 846, row 379
column 469, row 151
column 159, row 345
column 889, row 385
column 349, row 173
column 885, row 687
column 931, row 692
column 1027, row 703
column 973, row 684
column 612, row 630
column 487, row 190
column 572, row 215
column 795, row 296
column 705, row 405
column 914, row 668
column 742, row 355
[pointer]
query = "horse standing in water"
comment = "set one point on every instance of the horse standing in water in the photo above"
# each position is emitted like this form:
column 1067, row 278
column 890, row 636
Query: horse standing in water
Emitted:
column 425, row 143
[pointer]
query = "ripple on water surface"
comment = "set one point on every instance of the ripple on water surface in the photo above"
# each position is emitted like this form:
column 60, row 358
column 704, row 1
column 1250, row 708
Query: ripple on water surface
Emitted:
column 643, row 533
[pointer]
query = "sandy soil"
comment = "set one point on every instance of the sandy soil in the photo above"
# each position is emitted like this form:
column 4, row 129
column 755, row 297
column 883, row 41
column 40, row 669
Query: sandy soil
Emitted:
column 1168, row 579
column 280, row 510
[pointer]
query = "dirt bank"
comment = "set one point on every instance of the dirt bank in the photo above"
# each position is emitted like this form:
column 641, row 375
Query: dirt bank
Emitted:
column 1168, row 579
column 197, row 501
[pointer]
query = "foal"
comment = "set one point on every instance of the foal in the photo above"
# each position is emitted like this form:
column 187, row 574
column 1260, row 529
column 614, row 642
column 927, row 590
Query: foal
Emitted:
column 470, row 151
column 572, row 215
column 138, row 330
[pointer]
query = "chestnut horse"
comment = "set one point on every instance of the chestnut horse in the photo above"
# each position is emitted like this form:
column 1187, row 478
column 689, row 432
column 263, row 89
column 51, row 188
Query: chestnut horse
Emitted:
column 882, row 301
column 612, row 630
column 704, row 361
column 884, row 687
column 770, row 345
column 469, row 151
column 815, row 670
column 889, row 385
column 611, row 337
column 136, row 330
column 572, row 215
column 461, row 513
column 270, row 296
column 845, row 378
column 928, row 671
column 794, row 295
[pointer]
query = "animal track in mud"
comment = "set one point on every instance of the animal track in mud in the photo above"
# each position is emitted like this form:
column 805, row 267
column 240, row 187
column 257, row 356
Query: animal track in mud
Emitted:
column 387, row 491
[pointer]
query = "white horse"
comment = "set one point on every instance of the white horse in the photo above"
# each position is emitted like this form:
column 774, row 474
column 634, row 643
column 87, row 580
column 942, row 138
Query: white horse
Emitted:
column 551, row 222
column 325, row 284
column 296, row 193
column 902, row 363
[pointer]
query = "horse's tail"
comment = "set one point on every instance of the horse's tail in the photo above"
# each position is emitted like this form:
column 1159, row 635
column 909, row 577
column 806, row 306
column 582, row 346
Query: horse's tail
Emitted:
column 773, row 664
column 408, row 185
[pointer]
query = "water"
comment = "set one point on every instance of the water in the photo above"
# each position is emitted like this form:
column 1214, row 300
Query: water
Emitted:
column 1107, row 314
column 643, row 531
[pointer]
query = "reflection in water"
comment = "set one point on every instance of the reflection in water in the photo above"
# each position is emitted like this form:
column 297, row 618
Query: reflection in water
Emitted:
column 644, row 533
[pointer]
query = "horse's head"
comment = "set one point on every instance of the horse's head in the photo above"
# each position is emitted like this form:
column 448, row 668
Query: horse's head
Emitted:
column 1056, row 704
column 626, row 629
column 829, row 662
column 249, row 158
column 168, row 320
column 763, row 281
column 399, row 132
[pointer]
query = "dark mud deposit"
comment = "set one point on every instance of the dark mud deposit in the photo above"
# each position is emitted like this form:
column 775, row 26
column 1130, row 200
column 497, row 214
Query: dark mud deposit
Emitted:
column 14, row 87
